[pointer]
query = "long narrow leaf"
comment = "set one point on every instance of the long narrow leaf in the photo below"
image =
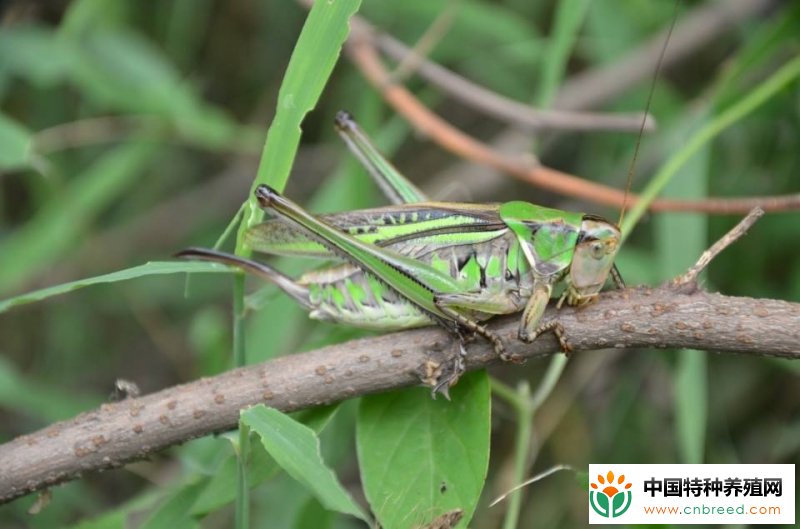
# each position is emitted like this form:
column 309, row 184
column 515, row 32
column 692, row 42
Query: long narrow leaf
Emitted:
column 147, row 269
column 54, row 229
column 310, row 66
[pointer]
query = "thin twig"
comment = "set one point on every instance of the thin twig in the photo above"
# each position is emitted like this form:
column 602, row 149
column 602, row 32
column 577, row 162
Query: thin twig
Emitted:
column 534, row 479
column 411, row 62
column 702, row 25
column 593, row 88
column 514, row 112
column 729, row 238
column 90, row 131
column 458, row 142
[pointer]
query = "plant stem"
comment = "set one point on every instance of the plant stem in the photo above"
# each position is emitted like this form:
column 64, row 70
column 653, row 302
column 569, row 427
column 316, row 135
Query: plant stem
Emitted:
column 521, row 449
column 242, row 516
column 239, row 351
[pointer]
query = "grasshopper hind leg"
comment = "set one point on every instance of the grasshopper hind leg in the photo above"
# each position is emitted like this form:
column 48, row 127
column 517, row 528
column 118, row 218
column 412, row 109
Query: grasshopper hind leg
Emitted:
column 464, row 330
column 446, row 375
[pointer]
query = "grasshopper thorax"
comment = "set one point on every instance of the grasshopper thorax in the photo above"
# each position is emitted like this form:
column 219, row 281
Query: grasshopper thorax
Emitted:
column 561, row 244
column 592, row 260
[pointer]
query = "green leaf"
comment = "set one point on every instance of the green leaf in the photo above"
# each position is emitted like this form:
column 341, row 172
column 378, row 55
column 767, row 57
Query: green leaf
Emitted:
column 114, row 520
column 54, row 229
column 15, row 144
column 310, row 66
column 221, row 488
column 680, row 240
column 35, row 54
column 86, row 16
column 147, row 269
column 421, row 457
column 20, row 393
column 171, row 514
column 127, row 72
column 296, row 449
column 691, row 404
column 757, row 97
column 313, row 516
column 569, row 18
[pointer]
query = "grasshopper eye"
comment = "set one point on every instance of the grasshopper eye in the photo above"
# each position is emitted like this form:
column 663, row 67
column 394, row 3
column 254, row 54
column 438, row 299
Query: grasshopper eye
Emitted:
column 597, row 250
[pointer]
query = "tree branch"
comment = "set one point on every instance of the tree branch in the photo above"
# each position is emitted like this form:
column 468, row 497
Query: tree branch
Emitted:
column 121, row 432
column 362, row 51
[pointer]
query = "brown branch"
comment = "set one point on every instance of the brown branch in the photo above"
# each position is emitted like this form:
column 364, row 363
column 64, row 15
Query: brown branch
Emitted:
column 701, row 26
column 363, row 53
column 121, row 432
column 519, row 114
column 729, row 238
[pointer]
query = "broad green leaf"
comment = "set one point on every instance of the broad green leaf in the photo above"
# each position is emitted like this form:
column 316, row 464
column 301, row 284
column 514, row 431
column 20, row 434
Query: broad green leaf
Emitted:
column 295, row 447
column 147, row 269
column 313, row 516
column 114, row 520
column 172, row 513
column 421, row 457
column 22, row 394
column 54, row 229
column 85, row 16
column 221, row 488
column 15, row 144
column 35, row 54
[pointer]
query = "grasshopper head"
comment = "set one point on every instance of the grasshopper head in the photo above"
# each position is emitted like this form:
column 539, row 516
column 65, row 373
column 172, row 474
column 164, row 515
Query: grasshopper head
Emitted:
column 593, row 259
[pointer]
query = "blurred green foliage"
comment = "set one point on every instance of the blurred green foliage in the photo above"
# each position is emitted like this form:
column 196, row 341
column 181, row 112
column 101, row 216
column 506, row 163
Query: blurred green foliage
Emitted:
column 129, row 130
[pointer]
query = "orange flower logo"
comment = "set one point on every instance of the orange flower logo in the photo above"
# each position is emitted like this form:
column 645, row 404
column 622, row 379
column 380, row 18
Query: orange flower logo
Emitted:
column 613, row 499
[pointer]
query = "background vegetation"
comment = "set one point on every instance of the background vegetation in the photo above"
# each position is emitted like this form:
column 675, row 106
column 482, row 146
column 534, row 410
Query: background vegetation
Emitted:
column 130, row 130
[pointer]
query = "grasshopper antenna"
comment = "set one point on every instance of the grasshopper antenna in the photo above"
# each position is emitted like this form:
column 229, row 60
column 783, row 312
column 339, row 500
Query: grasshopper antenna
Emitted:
column 632, row 166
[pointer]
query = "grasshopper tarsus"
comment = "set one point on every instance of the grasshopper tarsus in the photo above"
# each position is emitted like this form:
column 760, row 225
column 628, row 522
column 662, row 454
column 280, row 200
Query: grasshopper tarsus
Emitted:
column 512, row 358
column 452, row 370
column 557, row 328
column 266, row 195
column 344, row 120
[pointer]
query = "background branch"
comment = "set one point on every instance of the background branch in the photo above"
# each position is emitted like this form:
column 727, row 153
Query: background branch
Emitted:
column 121, row 432
column 498, row 106
column 363, row 52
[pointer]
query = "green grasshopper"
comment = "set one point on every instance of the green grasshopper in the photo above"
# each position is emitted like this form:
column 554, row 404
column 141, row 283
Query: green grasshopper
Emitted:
column 420, row 262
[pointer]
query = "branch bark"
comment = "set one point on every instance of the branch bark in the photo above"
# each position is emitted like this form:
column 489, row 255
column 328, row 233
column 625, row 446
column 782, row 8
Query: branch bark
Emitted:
column 121, row 432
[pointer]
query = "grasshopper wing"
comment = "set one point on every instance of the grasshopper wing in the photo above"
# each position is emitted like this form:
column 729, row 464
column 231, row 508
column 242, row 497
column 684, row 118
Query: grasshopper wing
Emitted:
column 409, row 229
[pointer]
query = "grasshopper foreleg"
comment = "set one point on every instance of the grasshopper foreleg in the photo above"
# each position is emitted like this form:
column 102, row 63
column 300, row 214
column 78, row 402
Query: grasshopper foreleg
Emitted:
column 529, row 328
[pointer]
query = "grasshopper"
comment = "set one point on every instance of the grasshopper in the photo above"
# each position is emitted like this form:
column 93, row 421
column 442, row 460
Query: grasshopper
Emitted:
column 419, row 262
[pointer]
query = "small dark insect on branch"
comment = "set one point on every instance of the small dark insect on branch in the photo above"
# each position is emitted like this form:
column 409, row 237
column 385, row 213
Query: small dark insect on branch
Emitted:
column 117, row 433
